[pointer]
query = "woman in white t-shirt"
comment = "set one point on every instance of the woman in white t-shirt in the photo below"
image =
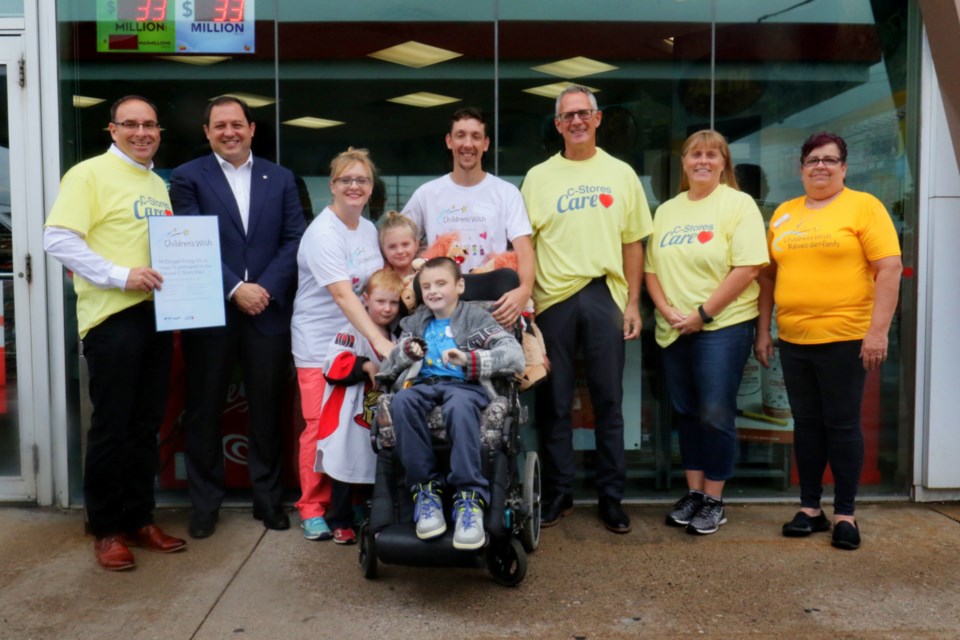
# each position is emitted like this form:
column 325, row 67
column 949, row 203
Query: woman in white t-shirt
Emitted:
column 337, row 254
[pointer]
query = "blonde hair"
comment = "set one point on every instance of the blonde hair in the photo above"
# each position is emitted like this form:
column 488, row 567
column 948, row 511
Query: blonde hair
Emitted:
column 395, row 220
column 346, row 158
column 386, row 279
column 712, row 140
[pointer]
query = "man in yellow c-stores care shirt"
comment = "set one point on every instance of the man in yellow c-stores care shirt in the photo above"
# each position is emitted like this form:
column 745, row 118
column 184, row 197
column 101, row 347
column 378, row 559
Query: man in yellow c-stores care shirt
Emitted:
column 588, row 214
column 98, row 229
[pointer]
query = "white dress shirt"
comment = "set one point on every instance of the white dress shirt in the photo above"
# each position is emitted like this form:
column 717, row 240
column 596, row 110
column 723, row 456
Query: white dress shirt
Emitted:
column 71, row 249
column 239, row 180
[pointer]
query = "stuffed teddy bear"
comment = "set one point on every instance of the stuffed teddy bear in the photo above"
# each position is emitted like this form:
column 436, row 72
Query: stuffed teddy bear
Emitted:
column 534, row 350
column 536, row 365
column 447, row 244
column 408, row 296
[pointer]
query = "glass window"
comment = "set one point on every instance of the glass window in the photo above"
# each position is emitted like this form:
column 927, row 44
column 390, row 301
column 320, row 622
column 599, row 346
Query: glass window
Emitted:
column 775, row 84
column 387, row 74
column 385, row 80
column 11, row 8
column 637, row 64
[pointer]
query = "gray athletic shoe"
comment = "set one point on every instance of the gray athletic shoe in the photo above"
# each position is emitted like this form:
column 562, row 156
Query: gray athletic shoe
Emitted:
column 428, row 511
column 468, row 513
column 684, row 509
column 708, row 518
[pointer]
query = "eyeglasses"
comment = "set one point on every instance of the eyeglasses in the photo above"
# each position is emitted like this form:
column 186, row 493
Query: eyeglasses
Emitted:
column 346, row 182
column 828, row 161
column 132, row 125
column 583, row 114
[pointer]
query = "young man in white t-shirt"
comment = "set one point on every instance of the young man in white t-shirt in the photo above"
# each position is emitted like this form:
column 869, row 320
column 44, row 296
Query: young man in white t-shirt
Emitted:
column 484, row 210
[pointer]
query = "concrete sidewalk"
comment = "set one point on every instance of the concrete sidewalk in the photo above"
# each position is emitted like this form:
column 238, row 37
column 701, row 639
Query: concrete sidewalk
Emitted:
column 746, row 581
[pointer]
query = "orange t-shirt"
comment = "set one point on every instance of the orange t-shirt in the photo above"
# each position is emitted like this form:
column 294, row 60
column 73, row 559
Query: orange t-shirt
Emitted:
column 825, row 285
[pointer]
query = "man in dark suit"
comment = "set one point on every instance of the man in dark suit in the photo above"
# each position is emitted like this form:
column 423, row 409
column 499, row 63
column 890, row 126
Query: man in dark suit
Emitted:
column 261, row 221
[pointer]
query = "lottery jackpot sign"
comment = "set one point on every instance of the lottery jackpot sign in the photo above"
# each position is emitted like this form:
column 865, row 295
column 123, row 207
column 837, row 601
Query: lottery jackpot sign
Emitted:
column 175, row 26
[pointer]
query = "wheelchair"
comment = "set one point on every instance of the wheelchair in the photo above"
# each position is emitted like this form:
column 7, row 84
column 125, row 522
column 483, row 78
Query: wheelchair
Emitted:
column 511, row 520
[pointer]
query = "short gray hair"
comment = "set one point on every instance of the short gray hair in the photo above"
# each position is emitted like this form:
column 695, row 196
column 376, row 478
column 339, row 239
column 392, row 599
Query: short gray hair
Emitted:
column 576, row 88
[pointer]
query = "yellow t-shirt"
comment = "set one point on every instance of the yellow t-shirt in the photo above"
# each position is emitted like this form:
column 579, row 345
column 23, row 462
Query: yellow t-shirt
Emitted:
column 694, row 246
column 825, row 285
column 582, row 213
column 107, row 201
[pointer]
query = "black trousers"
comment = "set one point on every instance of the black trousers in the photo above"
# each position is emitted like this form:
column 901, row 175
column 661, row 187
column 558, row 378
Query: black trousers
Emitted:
column 589, row 318
column 209, row 358
column 129, row 367
column 825, row 387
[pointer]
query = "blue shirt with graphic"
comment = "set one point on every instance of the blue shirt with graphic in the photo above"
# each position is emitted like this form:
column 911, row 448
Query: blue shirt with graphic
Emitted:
column 439, row 339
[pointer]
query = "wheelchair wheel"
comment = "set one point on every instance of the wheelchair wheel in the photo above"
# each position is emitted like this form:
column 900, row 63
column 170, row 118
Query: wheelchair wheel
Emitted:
column 507, row 562
column 530, row 532
column 368, row 552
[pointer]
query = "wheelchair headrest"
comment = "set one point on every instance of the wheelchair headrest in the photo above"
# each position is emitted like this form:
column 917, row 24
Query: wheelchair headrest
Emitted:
column 481, row 286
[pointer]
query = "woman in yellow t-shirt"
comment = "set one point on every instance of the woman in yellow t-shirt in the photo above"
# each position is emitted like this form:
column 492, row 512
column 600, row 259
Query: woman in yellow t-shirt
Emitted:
column 834, row 275
column 702, row 262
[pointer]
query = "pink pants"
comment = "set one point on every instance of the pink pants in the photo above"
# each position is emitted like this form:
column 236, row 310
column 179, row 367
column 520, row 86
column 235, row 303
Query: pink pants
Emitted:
column 315, row 487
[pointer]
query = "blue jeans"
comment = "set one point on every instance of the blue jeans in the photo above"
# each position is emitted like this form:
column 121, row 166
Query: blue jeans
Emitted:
column 703, row 375
column 825, row 387
column 462, row 403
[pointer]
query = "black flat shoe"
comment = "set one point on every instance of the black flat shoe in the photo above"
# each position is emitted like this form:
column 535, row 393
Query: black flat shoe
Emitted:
column 272, row 517
column 613, row 516
column 846, row 535
column 803, row 525
column 552, row 510
column 202, row 524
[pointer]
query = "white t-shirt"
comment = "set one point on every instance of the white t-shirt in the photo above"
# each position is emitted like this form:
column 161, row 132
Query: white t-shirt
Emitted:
column 485, row 215
column 329, row 252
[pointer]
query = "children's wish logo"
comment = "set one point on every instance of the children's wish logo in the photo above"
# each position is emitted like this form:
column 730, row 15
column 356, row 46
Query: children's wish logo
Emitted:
column 802, row 236
column 178, row 238
column 459, row 215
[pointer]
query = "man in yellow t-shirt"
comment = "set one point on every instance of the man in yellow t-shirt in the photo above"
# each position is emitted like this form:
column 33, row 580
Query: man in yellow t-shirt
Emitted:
column 588, row 214
column 98, row 229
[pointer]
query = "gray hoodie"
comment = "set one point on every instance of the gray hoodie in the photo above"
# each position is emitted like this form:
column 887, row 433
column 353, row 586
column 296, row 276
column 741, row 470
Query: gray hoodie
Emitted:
column 492, row 351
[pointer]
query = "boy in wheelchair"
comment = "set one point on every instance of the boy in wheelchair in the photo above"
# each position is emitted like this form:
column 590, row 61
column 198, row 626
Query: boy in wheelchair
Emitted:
column 447, row 349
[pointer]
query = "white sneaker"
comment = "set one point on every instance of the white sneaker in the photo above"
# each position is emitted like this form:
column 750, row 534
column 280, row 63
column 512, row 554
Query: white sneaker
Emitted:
column 428, row 512
column 468, row 532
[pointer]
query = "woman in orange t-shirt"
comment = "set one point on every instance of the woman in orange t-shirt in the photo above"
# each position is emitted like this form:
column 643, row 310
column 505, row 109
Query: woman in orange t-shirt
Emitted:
column 834, row 275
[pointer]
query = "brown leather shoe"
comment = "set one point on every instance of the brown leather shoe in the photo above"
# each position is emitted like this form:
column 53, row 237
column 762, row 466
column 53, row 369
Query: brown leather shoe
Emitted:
column 112, row 553
column 151, row 537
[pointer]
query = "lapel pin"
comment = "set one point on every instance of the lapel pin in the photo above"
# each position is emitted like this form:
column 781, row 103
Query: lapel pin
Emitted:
column 264, row 176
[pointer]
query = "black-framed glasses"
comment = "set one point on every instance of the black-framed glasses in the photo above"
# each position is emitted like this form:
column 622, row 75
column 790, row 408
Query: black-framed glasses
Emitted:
column 149, row 126
column 583, row 114
column 828, row 161
column 360, row 182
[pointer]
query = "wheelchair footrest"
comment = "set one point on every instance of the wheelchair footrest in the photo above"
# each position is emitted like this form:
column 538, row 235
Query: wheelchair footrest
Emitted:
column 399, row 544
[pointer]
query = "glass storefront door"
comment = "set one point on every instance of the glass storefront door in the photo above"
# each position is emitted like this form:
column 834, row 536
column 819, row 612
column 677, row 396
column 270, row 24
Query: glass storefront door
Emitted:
column 17, row 474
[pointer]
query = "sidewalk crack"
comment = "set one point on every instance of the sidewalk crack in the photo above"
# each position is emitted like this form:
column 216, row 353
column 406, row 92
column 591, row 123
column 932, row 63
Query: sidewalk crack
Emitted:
column 227, row 586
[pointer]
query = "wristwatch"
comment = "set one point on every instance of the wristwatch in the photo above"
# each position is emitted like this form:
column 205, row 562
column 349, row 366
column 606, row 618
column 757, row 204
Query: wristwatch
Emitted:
column 703, row 315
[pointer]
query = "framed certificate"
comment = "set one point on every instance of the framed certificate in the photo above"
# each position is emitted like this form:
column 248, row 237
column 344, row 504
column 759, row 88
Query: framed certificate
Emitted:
column 186, row 252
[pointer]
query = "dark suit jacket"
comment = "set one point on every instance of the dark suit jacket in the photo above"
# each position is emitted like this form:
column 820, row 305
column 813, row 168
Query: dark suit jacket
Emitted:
column 268, row 250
